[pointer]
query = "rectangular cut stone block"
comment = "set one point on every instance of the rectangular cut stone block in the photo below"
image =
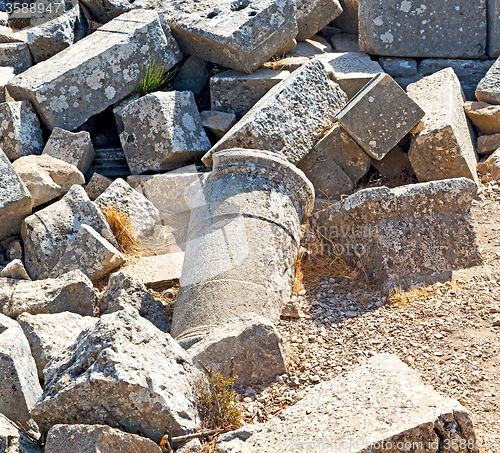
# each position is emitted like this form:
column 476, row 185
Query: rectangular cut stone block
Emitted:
column 313, row 15
column 488, row 89
column 414, row 233
column 442, row 146
column 493, row 44
column 379, row 116
column 380, row 406
column 238, row 35
column 290, row 118
column 431, row 28
column 15, row 199
column 97, row 71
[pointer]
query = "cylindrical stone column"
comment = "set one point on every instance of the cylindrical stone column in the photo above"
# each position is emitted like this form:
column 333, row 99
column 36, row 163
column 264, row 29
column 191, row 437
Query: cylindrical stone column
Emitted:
column 243, row 239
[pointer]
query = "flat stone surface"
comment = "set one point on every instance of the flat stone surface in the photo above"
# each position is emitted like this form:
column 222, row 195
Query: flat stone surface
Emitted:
column 488, row 89
column 394, row 163
column 97, row 71
column 218, row 123
column 14, row 440
column 379, row 116
column 487, row 144
column 290, row 118
column 442, row 146
column 15, row 199
column 485, row 117
column 16, row 55
column 313, row 15
column 156, row 271
column 383, row 402
column 398, row 67
column 408, row 29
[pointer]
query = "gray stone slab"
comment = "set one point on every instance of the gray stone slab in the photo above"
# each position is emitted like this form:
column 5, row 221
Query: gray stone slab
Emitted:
column 97, row 185
column 414, row 29
column 193, row 75
column 399, row 67
column 218, row 123
column 157, row 271
column 313, row 15
column 488, row 89
column 493, row 42
column 379, row 116
column 16, row 55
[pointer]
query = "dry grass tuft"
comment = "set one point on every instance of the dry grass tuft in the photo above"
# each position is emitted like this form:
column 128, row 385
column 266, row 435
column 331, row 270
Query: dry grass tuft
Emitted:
column 120, row 225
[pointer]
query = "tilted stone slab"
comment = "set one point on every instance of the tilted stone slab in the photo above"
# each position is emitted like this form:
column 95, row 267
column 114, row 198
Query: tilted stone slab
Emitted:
column 290, row 118
column 409, row 234
column 379, row 116
column 442, row 146
column 493, row 44
column 381, row 405
column 451, row 29
column 97, row 71
column 313, row 15
column 488, row 89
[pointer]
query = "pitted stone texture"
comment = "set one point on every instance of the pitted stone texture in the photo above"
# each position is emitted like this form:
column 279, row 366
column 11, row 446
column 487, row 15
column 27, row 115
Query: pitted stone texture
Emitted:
column 250, row 347
column 238, row 35
column 19, row 386
column 398, row 67
column 394, row 163
column 20, row 133
column 290, row 118
column 96, row 438
column 379, row 116
column 15, row 270
column 72, row 147
column 218, row 123
column 157, row 271
column 14, row 440
column 488, row 89
column 382, row 402
column 442, row 146
column 485, row 117
column 452, row 29
column 141, row 212
column 487, row 144
column 47, row 234
column 90, row 253
column 48, row 334
column 162, row 130
column 97, row 71
column 47, row 178
column 97, row 185
column 408, row 234
column 111, row 374
column 15, row 199
column 16, row 55
column 71, row 292
column 237, row 92
column 313, row 15
column 493, row 42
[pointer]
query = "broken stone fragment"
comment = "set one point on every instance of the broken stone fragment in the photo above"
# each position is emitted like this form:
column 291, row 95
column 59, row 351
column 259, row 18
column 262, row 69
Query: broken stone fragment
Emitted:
column 488, row 89
column 486, row 117
column 16, row 55
column 15, row 440
column 193, row 76
column 380, row 403
column 491, row 166
column 373, row 226
column 443, row 142
column 15, row 270
column 97, row 71
column 97, row 185
column 313, row 15
column 159, row 270
column 290, row 118
column 379, row 116
column 72, row 147
column 218, row 123
column 111, row 375
column 395, row 163
column 487, row 144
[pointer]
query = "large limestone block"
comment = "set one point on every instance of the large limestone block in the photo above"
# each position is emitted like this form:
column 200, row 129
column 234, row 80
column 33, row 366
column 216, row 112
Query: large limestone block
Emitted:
column 381, row 405
column 313, row 15
column 19, row 386
column 46, row 177
column 413, row 233
column 442, row 146
column 111, row 374
column 14, row 440
column 162, row 130
column 450, row 29
column 241, row 35
column 290, row 118
column 49, row 334
column 48, row 232
column 97, row 71
column 71, row 292
column 15, row 199
column 6, row 74
column 488, row 89
column 379, row 116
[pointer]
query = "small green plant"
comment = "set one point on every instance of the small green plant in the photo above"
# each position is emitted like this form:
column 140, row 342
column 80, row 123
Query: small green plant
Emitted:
column 156, row 77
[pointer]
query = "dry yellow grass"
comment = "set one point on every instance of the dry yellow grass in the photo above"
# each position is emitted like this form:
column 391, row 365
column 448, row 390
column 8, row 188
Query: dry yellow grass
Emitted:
column 120, row 225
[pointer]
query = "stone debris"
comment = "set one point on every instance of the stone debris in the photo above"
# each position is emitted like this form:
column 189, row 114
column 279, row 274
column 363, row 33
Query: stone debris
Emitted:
column 493, row 37
column 487, row 144
column 14, row 440
column 313, row 15
column 443, row 143
column 218, row 123
column 159, row 270
column 97, row 186
column 193, row 76
column 488, row 89
column 16, row 55
column 485, row 117
column 491, row 166
column 13, row 249
column 395, row 163
column 15, row 270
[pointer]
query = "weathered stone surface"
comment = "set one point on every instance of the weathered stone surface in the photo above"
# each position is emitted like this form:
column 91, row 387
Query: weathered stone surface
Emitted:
column 158, row 270
column 141, row 212
column 290, row 118
column 379, row 116
column 348, row 20
column 15, row 270
column 15, row 199
column 488, row 89
column 49, row 334
column 72, row 147
column 493, row 41
column 162, row 130
column 218, row 123
column 442, row 146
column 115, row 362
column 485, row 117
column 97, row 185
column 313, row 15
column 96, row 438
column 239, row 36
column 20, row 133
column 345, row 43
column 105, row 10
column 193, row 75
column 491, row 166
column 90, row 253
column 393, row 164
column 398, row 67
column 97, row 71
column 487, row 144
column 375, row 225
column 378, row 406
column 46, row 177
column 19, row 386
column 71, row 292
column 13, row 440
column 47, row 233
column 16, row 55
column 406, row 29
column 250, row 347
column 237, row 92
column 13, row 249
column 6, row 74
